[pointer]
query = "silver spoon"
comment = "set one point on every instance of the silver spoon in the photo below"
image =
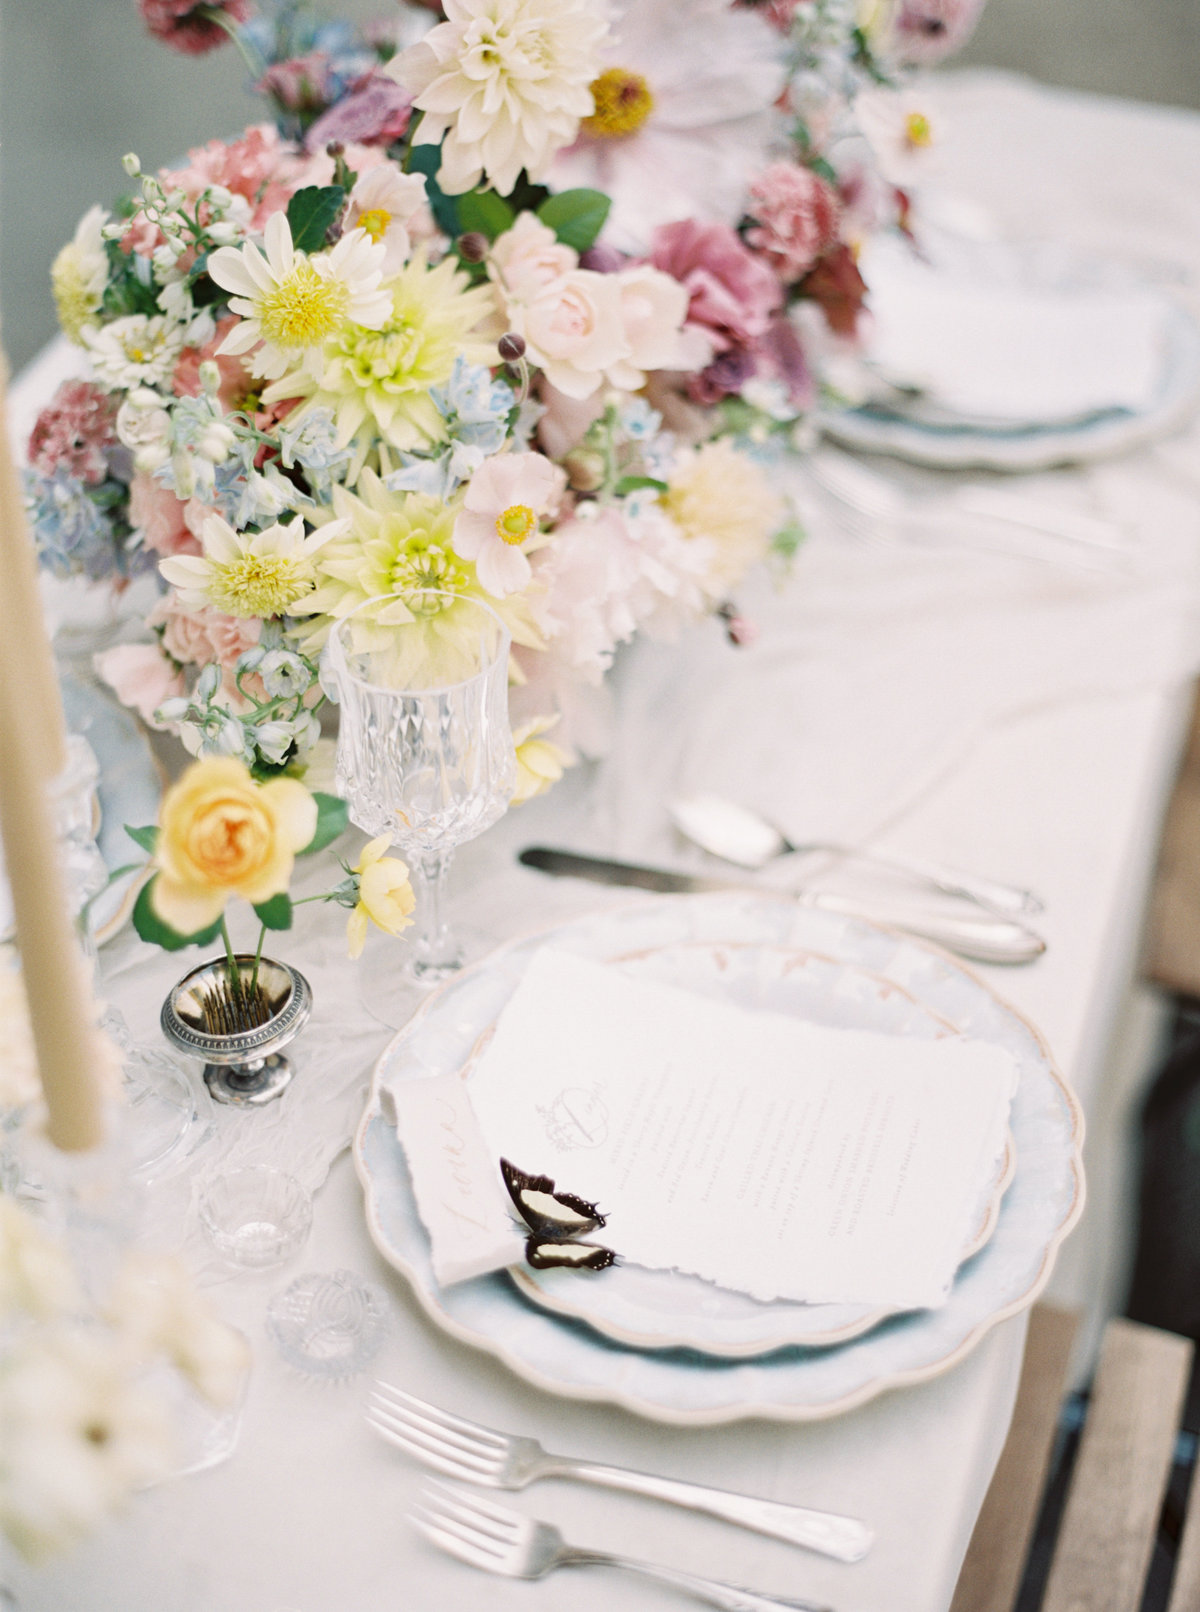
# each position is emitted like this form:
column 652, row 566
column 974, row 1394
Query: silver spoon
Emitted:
column 738, row 835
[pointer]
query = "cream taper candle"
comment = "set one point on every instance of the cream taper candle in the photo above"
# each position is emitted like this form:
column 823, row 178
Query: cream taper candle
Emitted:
column 32, row 749
column 24, row 623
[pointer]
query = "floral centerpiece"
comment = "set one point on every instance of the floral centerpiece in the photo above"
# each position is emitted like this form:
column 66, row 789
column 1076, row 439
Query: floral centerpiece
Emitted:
column 517, row 300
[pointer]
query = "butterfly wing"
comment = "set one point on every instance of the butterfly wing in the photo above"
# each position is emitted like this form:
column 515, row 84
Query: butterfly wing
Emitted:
column 551, row 1216
column 551, row 1256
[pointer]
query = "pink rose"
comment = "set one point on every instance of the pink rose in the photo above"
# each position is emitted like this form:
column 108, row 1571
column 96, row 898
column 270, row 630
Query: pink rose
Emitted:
column 574, row 330
column 141, row 676
column 196, row 637
column 732, row 293
column 798, row 215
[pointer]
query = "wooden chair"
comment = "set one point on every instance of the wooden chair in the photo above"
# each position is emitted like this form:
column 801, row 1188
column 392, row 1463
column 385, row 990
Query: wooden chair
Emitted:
column 1110, row 1520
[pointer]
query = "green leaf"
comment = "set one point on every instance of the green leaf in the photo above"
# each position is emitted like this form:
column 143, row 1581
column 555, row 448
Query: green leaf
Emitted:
column 630, row 484
column 486, row 212
column 575, row 216
column 147, row 838
column 276, row 913
column 151, row 927
column 427, row 160
column 333, row 818
column 310, row 213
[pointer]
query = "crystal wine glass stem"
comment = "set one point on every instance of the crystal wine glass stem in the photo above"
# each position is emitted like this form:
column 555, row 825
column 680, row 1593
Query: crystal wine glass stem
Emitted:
column 434, row 948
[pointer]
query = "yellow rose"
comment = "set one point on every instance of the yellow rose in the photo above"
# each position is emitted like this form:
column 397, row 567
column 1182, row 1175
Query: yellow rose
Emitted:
column 385, row 896
column 221, row 835
column 540, row 763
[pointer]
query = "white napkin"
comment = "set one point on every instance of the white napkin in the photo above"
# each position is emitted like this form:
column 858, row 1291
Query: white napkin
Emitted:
column 771, row 1156
column 994, row 353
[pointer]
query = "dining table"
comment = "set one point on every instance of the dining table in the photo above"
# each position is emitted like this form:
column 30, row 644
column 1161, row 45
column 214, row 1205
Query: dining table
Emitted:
column 1014, row 715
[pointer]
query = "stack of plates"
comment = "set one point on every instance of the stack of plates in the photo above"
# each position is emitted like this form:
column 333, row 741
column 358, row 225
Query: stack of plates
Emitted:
column 679, row 1349
column 1016, row 357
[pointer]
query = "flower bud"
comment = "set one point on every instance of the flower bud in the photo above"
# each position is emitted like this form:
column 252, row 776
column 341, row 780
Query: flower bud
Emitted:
column 472, row 247
column 223, row 233
column 131, row 163
column 585, row 469
column 209, row 375
column 511, row 347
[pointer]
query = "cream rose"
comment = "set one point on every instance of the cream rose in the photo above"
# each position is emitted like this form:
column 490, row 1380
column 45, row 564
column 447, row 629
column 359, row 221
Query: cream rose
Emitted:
column 574, row 330
column 528, row 258
column 653, row 308
column 222, row 835
column 385, row 895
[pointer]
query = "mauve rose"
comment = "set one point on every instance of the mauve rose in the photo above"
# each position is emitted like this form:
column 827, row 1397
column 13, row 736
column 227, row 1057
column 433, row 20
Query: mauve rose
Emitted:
column 727, row 374
column 375, row 111
column 141, row 676
column 299, row 85
column 732, row 293
column 196, row 637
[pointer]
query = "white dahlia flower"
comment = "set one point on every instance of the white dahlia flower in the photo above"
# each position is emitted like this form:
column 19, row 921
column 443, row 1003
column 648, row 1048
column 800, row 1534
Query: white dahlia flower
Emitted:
column 506, row 82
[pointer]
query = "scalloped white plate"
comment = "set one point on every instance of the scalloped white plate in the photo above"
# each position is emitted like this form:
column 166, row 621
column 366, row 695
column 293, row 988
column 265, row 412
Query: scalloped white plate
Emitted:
column 649, row 1309
column 567, row 1357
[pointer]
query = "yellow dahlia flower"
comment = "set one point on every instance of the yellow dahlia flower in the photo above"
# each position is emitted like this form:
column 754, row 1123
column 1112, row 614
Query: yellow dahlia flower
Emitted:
column 718, row 493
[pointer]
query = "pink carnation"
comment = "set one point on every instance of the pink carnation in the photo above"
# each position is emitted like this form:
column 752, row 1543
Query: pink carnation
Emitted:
column 259, row 166
column 797, row 215
column 375, row 112
column 235, row 381
column 732, row 293
column 141, row 676
column 198, row 637
column 160, row 518
column 74, row 432
column 187, row 25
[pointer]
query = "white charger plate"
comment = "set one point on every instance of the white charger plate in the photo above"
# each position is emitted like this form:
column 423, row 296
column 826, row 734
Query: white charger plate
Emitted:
column 650, row 1309
column 923, row 438
column 795, row 1383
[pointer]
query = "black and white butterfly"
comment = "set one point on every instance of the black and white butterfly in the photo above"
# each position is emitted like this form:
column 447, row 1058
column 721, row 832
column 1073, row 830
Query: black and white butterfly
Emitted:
column 557, row 1221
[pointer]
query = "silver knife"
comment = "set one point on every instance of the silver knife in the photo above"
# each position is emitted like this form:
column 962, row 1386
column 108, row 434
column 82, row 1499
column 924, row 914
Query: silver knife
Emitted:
column 986, row 940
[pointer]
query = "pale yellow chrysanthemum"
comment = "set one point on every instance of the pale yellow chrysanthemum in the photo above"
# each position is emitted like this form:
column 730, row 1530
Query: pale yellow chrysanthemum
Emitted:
column 292, row 302
column 402, row 544
column 540, row 762
column 718, row 493
column 505, row 82
column 376, row 381
column 247, row 574
column 79, row 275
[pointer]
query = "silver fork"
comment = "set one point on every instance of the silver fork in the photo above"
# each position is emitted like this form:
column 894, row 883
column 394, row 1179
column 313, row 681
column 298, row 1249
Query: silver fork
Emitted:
column 515, row 1546
column 481, row 1455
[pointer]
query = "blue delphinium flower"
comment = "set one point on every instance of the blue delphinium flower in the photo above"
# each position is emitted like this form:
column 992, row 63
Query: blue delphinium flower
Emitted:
column 74, row 537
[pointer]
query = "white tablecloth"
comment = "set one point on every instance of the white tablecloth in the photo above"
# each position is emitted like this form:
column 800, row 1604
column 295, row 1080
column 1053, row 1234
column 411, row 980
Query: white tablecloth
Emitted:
column 1055, row 783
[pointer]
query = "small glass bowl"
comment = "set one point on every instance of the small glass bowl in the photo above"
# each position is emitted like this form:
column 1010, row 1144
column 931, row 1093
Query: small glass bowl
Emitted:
column 256, row 1216
column 328, row 1326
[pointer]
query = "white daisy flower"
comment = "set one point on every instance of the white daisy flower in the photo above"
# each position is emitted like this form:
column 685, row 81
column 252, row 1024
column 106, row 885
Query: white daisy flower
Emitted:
column 134, row 351
column 292, row 302
column 248, row 574
column 506, row 83
column 79, row 275
column 685, row 94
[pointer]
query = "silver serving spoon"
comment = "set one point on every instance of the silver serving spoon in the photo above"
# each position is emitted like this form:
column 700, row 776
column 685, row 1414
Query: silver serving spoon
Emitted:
column 738, row 835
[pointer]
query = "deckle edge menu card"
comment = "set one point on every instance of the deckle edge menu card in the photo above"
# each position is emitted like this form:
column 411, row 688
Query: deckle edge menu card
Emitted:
column 769, row 1155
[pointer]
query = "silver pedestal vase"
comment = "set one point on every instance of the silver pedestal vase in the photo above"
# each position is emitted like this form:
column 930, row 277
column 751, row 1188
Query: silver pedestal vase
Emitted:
column 239, row 1032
